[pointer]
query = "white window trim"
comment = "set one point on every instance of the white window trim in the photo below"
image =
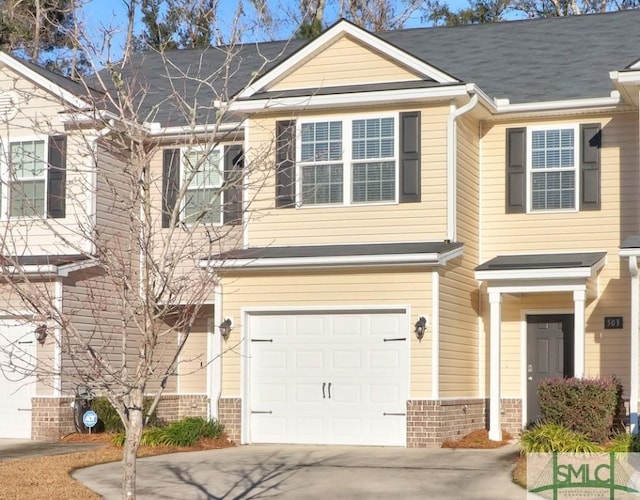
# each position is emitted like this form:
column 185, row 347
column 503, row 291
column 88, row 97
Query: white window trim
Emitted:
column 347, row 160
column 576, row 167
column 183, row 154
column 5, row 175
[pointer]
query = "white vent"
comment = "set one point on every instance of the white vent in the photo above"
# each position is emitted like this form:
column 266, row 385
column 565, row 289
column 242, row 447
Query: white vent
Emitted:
column 8, row 105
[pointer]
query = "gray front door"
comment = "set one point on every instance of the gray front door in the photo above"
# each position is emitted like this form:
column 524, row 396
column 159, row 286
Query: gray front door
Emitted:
column 549, row 354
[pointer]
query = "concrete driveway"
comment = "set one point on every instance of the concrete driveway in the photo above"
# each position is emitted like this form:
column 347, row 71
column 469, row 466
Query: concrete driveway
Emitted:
column 316, row 472
column 17, row 449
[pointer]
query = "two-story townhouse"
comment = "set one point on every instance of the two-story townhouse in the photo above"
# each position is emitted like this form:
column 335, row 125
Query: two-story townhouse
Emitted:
column 432, row 220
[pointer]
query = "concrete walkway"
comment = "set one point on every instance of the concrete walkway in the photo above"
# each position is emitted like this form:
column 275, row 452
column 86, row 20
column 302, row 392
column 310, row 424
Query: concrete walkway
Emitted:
column 17, row 449
column 317, row 472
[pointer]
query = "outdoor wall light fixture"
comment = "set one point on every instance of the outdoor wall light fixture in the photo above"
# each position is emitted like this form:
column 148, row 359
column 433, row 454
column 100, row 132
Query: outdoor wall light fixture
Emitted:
column 225, row 329
column 41, row 333
column 420, row 327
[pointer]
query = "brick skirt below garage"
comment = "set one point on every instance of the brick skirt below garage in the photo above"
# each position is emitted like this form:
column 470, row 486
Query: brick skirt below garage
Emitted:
column 429, row 422
column 52, row 418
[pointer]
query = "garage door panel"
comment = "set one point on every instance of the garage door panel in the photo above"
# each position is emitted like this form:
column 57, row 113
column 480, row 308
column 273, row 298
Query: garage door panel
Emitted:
column 17, row 379
column 368, row 377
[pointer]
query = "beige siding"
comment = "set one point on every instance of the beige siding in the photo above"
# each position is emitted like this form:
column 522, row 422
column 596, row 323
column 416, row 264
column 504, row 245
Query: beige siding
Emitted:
column 458, row 288
column 345, row 62
column 328, row 289
column 13, row 306
column 192, row 370
column 349, row 224
column 38, row 116
column 607, row 351
column 184, row 246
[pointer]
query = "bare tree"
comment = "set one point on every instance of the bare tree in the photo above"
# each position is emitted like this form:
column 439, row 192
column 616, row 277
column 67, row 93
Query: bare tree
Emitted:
column 133, row 179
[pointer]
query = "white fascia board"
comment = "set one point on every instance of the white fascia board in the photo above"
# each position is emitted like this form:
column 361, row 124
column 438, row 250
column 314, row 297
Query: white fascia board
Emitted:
column 43, row 82
column 156, row 130
column 504, row 106
column 350, row 99
column 535, row 274
column 332, row 34
column 65, row 270
column 629, row 252
column 432, row 259
column 520, row 288
column 44, row 271
column 632, row 77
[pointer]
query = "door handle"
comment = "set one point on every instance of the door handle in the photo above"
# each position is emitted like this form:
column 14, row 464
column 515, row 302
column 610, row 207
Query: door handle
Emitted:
column 329, row 390
column 323, row 385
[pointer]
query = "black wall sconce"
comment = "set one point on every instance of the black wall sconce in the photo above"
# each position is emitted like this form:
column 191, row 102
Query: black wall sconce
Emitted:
column 225, row 329
column 41, row 333
column 420, row 327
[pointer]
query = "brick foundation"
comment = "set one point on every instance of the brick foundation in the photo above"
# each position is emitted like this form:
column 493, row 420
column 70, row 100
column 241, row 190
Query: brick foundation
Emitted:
column 51, row 418
column 431, row 422
column 510, row 416
column 173, row 407
column 230, row 414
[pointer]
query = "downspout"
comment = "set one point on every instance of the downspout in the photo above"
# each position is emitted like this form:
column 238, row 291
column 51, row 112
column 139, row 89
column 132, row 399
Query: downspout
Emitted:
column 635, row 351
column 214, row 369
column 57, row 346
column 451, row 164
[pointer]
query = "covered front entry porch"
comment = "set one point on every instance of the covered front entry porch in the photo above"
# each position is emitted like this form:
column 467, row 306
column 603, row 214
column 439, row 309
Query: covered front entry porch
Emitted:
column 520, row 275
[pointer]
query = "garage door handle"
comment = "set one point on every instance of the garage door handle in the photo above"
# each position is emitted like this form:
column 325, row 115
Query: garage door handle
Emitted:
column 25, row 409
column 385, row 414
column 323, row 385
column 329, row 390
column 397, row 339
column 261, row 412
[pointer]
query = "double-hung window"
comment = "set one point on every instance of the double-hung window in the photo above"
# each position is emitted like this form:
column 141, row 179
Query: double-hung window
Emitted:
column 553, row 172
column 27, row 178
column 202, row 174
column 349, row 161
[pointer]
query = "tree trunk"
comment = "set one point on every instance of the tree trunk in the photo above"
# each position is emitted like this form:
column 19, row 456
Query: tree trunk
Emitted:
column 130, row 453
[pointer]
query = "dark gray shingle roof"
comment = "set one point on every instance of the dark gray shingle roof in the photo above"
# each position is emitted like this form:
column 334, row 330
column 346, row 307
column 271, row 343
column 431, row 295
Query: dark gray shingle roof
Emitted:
column 631, row 242
column 524, row 61
column 542, row 261
column 308, row 251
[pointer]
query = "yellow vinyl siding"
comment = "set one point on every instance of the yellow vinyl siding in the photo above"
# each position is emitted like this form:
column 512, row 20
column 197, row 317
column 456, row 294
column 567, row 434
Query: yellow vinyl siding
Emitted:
column 349, row 224
column 458, row 288
column 330, row 289
column 192, row 370
column 606, row 351
column 345, row 62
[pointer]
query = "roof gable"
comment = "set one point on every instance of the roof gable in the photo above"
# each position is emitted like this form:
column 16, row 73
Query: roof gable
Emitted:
column 346, row 37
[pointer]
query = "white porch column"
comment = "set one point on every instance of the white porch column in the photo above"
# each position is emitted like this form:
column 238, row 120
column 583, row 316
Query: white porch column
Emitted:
column 579, row 298
column 495, row 428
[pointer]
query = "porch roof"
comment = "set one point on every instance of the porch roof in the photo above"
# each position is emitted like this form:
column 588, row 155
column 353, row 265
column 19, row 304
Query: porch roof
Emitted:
column 546, row 265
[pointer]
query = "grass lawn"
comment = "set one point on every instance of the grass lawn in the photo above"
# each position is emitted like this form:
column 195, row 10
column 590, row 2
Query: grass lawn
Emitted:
column 50, row 478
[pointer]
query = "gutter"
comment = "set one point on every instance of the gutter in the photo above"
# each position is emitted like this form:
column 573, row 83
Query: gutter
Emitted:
column 429, row 259
column 451, row 164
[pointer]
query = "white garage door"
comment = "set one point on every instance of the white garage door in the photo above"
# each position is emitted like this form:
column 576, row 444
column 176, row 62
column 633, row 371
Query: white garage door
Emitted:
column 329, row 378
column 17, row 381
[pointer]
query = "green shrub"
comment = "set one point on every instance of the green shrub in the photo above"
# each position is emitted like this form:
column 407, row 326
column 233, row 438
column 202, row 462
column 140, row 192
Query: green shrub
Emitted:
column 586, row 406
column 624, row 443
column 547, row 438
column 188, row 431
column 185, row 432
column 108, row 418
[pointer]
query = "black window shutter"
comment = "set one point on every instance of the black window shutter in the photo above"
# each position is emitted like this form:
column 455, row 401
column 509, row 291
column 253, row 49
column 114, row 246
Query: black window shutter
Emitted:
column 590, row 143
column 285, row 164
column 410, row 157
column 233, row 165
column 170, row 183
column 57, row 177
column 516, row 196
